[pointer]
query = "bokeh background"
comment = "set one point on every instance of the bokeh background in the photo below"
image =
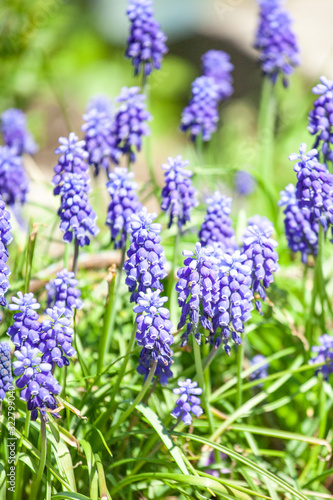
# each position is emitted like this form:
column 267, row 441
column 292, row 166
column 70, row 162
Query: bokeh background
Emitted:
column 56, row 54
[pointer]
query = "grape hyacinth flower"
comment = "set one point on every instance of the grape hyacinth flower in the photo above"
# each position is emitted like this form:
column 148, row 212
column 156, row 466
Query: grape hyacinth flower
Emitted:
column 178, row 194
column 197, row 288
column 217, row 226
column 145, row 266
column 15, row 134
column 146, row 42
column 62, row 292
column 6, row 378
column 26, row 327
column 244, row 183
column 154, row 334
column 78, row 219
column 324, row 353
column 216, row 64
column 276, row 41
column 260, row 372
column 56, row 337
column 102, row 104
column 233, row 304
column 314, row 188
column 300, row 228
column 5, row 239
column 188, row 403
column 124, row 203
column 262, row 259
column 262, row 222
column 37, row 384
column 99, row 139
column 209, row 459
column 130, row 122
column 71, row 161
column 200, row 116
column 321, row 117
column 13, row 179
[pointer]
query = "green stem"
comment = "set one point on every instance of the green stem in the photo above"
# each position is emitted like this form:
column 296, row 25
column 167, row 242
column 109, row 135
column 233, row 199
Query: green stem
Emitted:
column 103, row 490
column 66, row 256
column 149, row 159
column 201, row 380
column 240, row 358
column 76, row 255
column 36, row 483
column 137, row 400
column 30, row 257
column 110, row 314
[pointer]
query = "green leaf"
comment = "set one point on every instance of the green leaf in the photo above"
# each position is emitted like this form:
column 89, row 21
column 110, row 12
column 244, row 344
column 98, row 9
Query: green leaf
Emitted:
column 93, row 476
column 54, row 429
column 68, row 495
column 157, row 424
column 231, row 453
column 64, row 461
column 29, row 462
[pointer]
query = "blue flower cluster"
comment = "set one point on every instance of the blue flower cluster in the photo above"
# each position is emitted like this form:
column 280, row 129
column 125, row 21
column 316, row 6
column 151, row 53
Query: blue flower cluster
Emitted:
column 5, row 239
column 200, row 116
column 6, row 378
column 216, row 64
column 56, row 337
column 72, row 160
column 197, row 288
column 78, row 219
column 124, row 203
column 321, row 117
column 146, row 42
column 233, row 302
column 62, row 292
column 301, row 231
column 130, row 121
column 145, row 266
column 188, row 403
column 154, row 334
column 13, row 179
column 38, row 385
column 260, row 372
column 324, row 354
column 178, row 194
column 314, row 187
column 244, row 183
column 15, row 134
column 276, row 41
column 99, row 139
column 217, row 227
column 262, row 258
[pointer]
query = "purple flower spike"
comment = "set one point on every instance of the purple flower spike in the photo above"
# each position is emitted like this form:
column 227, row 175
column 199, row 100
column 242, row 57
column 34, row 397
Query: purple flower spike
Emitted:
column 321, row 117
column 145, row 267
column 77, row 216
column 124, row 203
column 62, row 292
column 15, row 134
column 314, row 188
column 154, row 334
column 71, row 161
column 26, row 326
column 146, row 42
column 233, row 302
column 6, row 378
column 5, row 239
column 197, row 288
column 56, row 337
column 217, row 227
column 276, row 42
column 300, row 228
column 262, row 258
column 201, row 115
column 323, row 353
column 99, row 139
column 245, row 184
column 188, row 403
column 260, row 372
column 130, row 122
column 13, row 178
column 216, row 64
column 178, row 194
